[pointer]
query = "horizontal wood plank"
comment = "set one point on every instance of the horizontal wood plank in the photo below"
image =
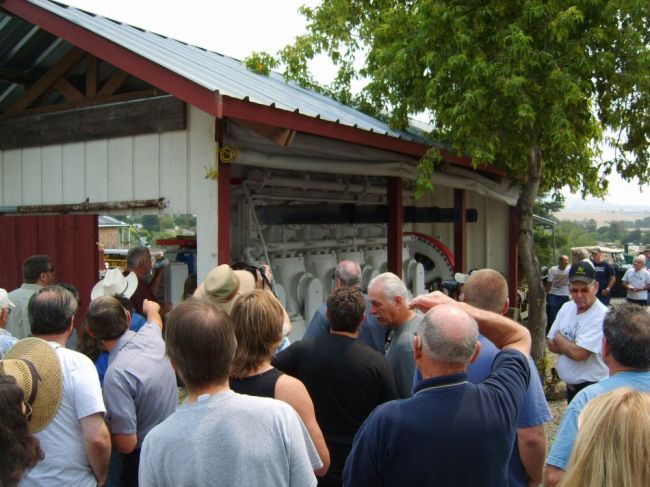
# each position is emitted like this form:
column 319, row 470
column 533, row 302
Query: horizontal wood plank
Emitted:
column 160, row 114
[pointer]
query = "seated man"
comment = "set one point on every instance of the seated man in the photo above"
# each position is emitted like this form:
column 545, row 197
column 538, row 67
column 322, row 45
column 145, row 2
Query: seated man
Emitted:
column 220, row 437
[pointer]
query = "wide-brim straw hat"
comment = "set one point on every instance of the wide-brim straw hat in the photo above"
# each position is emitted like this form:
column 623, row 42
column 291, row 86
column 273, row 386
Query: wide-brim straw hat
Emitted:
column 115, row 282
column 223, row 286
column 37, row 370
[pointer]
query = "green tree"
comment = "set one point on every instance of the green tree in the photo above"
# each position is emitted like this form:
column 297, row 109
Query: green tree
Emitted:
column 531, row 87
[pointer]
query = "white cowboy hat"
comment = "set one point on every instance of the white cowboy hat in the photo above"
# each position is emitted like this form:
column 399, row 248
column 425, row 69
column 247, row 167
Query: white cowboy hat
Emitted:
column 222, row 286
column 5, row 302
column 37, row 370
column 114, row 283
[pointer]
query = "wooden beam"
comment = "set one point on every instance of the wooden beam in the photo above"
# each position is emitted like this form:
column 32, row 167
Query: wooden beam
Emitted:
column 395, row 224
column 113, row 83
column 460, row 231
column 152, row 115
column 68, row 90
column 91, row 76
column 87, row 102
column 45, row 82
column 223, row 200
column 513, row 256
column 19, row 77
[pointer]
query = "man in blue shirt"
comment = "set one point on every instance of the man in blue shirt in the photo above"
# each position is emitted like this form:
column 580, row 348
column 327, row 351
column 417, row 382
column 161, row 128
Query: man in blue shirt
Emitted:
column 487, row 289
column 626, row 343
column 348, row 273
column 451, row 432
column 605, row 276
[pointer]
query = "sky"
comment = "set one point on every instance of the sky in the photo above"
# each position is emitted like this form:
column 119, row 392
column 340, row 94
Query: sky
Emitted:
column 236, row 28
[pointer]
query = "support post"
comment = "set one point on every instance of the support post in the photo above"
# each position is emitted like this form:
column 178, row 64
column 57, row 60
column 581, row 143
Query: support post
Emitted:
column 513, row 257
column 460, row 231
column 223, row 200
column 395, row 223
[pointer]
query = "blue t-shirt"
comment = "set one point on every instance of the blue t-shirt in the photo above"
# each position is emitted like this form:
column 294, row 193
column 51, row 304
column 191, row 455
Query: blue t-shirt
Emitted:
column 604, row 271
column 371, row 332
column 534, row 412
column 451, row 431
column 566, row 436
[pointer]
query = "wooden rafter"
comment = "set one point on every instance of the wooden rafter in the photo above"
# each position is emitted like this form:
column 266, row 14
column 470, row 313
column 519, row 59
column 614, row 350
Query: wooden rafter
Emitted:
column 19, row 77
column 91, row 76
column 45, row 82
column 66, row 88
column 113, row 83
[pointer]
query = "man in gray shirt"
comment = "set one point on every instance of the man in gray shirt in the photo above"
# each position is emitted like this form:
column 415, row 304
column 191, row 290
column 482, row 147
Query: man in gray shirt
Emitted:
column 389, row 300
column 37, row 273
column 139, row 385
column 219, row 437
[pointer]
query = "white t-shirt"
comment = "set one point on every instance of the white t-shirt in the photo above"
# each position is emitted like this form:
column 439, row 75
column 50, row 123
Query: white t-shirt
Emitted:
column 65, row 461
column 638, row 280
column 586, row 331
column 559, row 280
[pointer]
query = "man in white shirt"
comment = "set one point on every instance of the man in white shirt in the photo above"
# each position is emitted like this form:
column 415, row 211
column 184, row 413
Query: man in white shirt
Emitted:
column 577, row 333
column 637, row 282
column 76, row 443
column 557, row 289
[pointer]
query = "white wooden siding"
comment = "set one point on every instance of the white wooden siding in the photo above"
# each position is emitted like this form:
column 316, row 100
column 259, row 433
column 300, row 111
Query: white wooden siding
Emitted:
column 170, row 165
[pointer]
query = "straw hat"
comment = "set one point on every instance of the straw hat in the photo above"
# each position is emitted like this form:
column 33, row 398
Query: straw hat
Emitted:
column 115, row 282
column 222, row 286
column 37, row 370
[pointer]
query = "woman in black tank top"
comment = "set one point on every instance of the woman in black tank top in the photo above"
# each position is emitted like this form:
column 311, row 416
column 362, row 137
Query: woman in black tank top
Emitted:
column 258, row 318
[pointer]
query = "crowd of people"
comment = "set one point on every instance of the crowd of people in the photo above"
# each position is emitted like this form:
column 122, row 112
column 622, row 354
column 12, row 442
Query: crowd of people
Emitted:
column 381, row 389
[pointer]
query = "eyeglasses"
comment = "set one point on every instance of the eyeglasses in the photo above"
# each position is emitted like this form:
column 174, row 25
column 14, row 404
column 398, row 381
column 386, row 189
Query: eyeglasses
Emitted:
column 28, row 411
column 51, row 269
column 580, row 291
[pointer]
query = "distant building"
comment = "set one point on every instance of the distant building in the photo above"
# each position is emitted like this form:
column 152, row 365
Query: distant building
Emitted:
column 114, row 233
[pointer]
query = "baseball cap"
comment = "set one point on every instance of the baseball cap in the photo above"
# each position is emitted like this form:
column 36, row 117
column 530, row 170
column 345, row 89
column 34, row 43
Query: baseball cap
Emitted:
column 582, row 272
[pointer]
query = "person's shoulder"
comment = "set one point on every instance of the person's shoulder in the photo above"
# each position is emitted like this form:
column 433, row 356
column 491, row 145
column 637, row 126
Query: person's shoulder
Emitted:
column 69, row 357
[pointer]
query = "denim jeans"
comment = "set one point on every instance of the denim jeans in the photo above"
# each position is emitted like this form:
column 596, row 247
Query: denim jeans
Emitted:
column 553, row 305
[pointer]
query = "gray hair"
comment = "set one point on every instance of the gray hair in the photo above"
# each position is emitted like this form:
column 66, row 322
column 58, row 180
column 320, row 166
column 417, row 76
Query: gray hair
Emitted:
column 135, row 255
column 50, row 310
column 640, row 258
column 440, row 346
column 393, row 286
column 349, row 272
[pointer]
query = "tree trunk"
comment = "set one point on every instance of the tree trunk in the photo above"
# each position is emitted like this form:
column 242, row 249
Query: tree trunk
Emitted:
column 528, row 257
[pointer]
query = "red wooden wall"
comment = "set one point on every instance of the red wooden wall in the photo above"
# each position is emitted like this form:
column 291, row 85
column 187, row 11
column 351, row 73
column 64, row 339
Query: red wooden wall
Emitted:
column 70, row 241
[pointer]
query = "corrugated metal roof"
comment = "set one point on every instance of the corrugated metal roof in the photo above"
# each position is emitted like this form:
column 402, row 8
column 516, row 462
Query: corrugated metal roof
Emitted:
column 216, row 72
column 109, row 221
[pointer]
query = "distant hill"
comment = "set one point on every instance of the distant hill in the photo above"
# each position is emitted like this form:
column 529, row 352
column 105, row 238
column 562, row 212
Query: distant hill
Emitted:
column 603, row 212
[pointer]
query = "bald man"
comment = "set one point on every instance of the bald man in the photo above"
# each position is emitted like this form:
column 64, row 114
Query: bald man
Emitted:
column 451, row 430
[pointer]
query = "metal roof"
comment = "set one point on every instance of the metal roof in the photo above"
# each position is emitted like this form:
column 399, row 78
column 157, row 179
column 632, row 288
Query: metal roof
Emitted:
column 109, row 221
column 26, row 47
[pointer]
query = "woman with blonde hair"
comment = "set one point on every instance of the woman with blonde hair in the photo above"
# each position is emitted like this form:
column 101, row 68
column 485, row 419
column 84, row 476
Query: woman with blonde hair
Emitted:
column 258, row 319
column 612, row 448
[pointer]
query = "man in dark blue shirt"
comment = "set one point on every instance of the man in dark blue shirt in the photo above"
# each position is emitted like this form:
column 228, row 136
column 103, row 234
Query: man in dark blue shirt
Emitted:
column 605, row 276
column 451, row 432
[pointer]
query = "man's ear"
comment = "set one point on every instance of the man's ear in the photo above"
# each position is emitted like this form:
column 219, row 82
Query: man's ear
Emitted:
column 506, row 305
column 417, row 347
column 605, row 351
column 477, row 351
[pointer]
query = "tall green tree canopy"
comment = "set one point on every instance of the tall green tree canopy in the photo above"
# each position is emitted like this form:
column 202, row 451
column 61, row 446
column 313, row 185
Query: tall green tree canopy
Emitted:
column 534, row 87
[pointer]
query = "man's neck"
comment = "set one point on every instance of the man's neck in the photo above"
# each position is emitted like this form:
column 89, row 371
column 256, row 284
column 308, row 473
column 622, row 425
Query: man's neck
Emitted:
column 404, row 317
column 587, row 308
column 110, row 344
column 61, row 338
column 194, row 394
column 439, row 369
column 345, row 333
